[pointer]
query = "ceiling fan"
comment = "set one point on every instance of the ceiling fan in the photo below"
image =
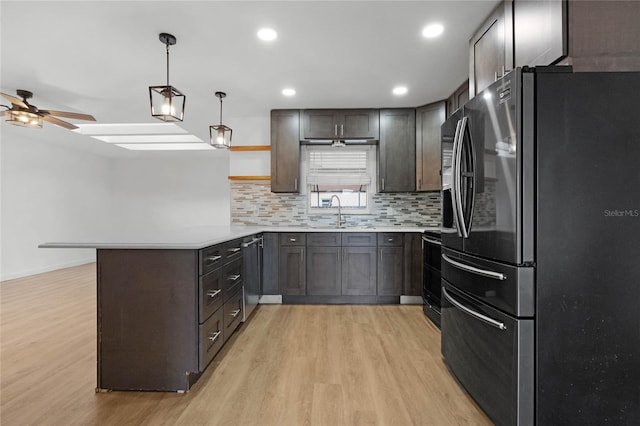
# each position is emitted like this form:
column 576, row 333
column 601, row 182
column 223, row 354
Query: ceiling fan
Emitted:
column 22, row 113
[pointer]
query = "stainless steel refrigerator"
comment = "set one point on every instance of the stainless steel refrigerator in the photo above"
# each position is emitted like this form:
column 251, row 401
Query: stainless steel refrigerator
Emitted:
column 541, row 247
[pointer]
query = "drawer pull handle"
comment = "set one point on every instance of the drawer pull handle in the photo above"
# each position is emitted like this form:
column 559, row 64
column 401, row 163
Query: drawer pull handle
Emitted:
column 234, row 249
column 235, row 313
column 234, row 277
column 214, row 336
column 213, row 293
column 212, row 259
column 390, row 240
column 293, row 240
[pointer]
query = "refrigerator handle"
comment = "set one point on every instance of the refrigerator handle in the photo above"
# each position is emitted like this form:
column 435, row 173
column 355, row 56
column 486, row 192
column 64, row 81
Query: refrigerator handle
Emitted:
column 497, row 324
column 471, row 183
column 454, row 167
column 468, row 268
column 457, row 177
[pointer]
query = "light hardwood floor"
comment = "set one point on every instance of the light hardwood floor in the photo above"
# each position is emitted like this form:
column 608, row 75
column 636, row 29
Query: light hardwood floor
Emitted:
column 289, row 365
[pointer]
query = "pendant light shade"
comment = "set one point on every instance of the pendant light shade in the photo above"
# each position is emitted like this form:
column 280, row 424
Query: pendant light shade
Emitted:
column 220, row 135
column 167, row 102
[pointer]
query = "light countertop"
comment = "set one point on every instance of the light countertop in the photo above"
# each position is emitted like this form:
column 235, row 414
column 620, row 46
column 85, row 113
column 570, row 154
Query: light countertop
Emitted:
column 203, row 236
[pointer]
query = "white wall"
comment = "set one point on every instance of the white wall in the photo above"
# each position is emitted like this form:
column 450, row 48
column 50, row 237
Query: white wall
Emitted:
column 49, row 193
column 184, row 189
column 56, row 192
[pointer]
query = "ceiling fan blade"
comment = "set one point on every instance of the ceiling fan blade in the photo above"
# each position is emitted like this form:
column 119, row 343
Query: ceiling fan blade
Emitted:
column 57, row 122
column 15, row 101
column 75, row 115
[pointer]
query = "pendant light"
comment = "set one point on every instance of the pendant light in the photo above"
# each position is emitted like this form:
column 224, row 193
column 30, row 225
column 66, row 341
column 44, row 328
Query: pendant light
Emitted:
column 167, row 102
column 220, row 135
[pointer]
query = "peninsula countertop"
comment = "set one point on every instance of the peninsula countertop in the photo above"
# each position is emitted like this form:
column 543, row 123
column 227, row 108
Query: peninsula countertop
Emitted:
column 204, row 236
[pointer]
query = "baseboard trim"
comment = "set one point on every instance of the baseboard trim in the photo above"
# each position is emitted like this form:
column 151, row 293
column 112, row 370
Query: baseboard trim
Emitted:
column 22, row 274
column 271, row 299
column 411, row 300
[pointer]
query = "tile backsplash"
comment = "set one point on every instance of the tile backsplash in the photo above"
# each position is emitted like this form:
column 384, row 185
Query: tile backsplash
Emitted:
column 255, row 204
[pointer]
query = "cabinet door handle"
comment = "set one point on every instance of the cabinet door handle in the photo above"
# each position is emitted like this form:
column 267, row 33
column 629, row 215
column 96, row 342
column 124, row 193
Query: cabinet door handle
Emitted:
column 213, row 293
column 214, row 336
column 211, row 259
column 383, row 184
column 295, row 184
column 235, row 313
column 419, row 183
column 390, row 240
column 342, row 130
column 293, row 240
column 234, row 277
column 335, row 130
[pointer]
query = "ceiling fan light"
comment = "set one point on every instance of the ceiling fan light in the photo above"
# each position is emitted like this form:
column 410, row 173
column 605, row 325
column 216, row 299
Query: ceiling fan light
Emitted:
column 23, row 118
column 167, row 103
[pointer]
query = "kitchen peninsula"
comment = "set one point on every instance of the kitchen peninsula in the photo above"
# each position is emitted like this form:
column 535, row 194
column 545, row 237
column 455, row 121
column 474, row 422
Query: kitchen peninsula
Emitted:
column 168, row 302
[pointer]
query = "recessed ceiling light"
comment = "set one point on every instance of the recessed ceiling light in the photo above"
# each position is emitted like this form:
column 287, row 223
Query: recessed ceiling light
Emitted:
column 400, row 90
column 288, row 91
column 432, row 30
column 267, row 34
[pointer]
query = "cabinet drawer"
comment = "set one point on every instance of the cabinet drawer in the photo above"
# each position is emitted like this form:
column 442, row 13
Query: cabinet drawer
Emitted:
column 323, row 239
column 292, row 239
column 211, row 339
column 231, row 279
column 233, row 250
column 210, row 292
column 232, row 313
column 390, row 239
column 211, row 258
column 359, row 239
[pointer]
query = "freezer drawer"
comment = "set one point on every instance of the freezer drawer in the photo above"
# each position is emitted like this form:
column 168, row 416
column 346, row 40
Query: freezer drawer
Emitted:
column 506, row 287
column 491, row 355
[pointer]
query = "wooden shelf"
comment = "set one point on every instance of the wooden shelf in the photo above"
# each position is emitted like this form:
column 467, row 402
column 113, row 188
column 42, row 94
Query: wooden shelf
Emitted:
column 250, row 148
column 249, row 178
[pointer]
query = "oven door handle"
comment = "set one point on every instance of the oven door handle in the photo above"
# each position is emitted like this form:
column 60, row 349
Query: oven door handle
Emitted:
column 474, row 270
column 477, row 315
column 431, row 240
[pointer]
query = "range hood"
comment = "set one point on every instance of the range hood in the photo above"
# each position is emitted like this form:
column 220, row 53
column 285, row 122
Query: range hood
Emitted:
column 336, row 143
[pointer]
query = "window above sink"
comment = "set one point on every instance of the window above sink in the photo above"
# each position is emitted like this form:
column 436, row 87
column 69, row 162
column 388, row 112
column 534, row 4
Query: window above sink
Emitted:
column 346, row 172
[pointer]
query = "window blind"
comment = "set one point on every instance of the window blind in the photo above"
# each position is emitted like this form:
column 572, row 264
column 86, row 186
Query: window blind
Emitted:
column 338, row 166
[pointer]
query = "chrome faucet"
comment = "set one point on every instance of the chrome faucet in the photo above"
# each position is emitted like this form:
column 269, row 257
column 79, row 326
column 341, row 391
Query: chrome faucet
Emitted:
column 339, row 221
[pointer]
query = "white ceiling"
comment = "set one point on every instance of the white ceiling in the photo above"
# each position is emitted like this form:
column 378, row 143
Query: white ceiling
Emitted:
column 99, row 57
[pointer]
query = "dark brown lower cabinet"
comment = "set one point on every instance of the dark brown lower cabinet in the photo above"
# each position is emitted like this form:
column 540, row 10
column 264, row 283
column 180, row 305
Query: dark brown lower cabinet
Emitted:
column 163, row 315
column 359, row 271
column 292, row 271
column 413, row 264
column 324, row 267
column 390, row 270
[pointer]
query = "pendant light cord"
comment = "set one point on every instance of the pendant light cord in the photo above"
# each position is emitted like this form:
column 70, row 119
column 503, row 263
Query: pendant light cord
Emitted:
column 221, row 110
column 167, row 64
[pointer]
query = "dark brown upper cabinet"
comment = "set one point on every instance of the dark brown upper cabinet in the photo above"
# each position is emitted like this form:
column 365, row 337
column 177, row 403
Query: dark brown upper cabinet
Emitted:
column 429, row 118
column 340, row 124
column 539, row 31
column 397, row 150
column 589, row 35
column 285, row 150
column 491, row 48
column 458, row 98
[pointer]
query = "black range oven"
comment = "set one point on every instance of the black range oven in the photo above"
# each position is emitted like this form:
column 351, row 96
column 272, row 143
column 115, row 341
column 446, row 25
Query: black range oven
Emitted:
column 431, row 285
